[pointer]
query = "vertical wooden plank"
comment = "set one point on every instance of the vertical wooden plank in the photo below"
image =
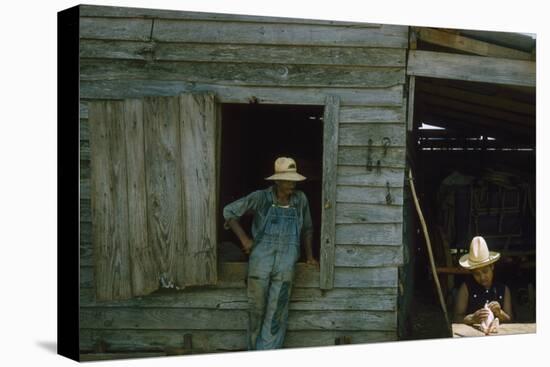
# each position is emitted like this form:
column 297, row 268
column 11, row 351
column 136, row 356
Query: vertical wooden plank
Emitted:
column 144, row 269
column 198, row 162
column 109, row 201
column 163, row 180
column 330, row 158
column 410, row 109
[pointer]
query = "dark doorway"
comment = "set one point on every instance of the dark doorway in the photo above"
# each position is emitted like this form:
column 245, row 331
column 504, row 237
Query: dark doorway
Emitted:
column 253, row 136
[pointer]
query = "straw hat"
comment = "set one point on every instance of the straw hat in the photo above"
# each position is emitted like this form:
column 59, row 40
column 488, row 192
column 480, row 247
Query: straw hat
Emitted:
column 285, row 169
column 479, row 255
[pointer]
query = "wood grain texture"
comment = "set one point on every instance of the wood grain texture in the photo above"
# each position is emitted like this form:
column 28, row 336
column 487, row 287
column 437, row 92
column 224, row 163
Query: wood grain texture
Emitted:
column 410, row 110
column 252, row 74
column 198, row 127
column 164, row 188
column 117, row 89
column 359, row 134
column 217, row 340
column 370, row 234
column 373, row 299
column 120, row 29
column 471, row 68
column 198, row 319
column 470, row 45
column 353, row 213
column 328, row 196
column 281, row 34
column 144, row 268
column 360, row 176
column 364, row 256
column 109, row 201
column 128, row 12
column 238, row 53
column 372, row 114
column 368, row 195
column 232, row 275
column 392, row 157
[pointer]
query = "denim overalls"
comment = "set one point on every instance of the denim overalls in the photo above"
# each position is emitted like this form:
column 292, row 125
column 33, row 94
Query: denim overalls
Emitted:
column 271, row 265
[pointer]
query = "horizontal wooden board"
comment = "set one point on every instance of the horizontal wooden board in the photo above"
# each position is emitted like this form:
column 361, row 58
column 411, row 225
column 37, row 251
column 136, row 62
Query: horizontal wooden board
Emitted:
column 497, row 97
column 86, row 233
column 87, row 277
column 118, row 89
column 279, row 34
column 369, row 234
column 372, row 114
column 127, row 12
column 360, row 134
column 353, row 213
column 360, row 176
column 373, row 299
column 83, row 113
column 321, row 55
column 85, row 210
column 233, row 275
column 368, row 195
column 469, row 45
column 120, row 29
column 243, row 74
column 393, row 157
column 218, row 340
column 86, row 254
column 84, row 124
column 362, row 256
column 471, row 68
column 84, row 150
column 85, row 186
column 199, row 319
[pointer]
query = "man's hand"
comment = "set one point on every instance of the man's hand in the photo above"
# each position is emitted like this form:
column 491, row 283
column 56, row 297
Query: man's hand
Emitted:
column 247, row 243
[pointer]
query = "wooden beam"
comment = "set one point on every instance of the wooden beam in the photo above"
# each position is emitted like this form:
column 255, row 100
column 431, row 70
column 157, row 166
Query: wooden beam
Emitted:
column 470, row 45
column 410, row 110
column 474, row 108
column 330, row 157
column 471, row 68
column 497, row 101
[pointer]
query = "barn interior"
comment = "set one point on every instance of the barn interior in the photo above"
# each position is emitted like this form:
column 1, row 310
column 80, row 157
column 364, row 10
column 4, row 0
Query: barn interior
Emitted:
column 471, row 146
column 252, row 137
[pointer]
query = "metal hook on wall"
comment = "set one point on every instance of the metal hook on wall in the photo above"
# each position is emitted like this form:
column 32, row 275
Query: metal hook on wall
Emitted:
column 369, row 155
column 386, row 143
column 389, row 198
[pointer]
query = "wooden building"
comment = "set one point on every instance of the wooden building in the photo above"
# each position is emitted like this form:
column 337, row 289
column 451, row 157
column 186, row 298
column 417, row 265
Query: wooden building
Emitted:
column 183, row 112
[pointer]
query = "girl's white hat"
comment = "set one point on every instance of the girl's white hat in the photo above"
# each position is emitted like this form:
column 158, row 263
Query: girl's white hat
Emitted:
column 479, row 255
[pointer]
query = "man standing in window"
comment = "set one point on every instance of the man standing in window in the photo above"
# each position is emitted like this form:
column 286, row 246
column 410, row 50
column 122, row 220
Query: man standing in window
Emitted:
column 281, row 220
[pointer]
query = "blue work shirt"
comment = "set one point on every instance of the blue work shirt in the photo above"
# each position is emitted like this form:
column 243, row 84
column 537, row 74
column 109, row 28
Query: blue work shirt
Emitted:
column 259, row 202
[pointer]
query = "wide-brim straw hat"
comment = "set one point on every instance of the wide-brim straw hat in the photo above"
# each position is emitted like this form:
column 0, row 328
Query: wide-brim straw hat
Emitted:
column 479, row 255
column 286, row 170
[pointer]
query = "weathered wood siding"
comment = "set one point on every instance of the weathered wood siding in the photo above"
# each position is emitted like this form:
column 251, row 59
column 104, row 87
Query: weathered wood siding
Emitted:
column 134, row 53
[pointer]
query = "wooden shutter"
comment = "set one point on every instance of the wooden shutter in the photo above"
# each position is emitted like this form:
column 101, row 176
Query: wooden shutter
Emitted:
column 109, row 201
column 198, row 159
column 328, row 215
column 154, row 191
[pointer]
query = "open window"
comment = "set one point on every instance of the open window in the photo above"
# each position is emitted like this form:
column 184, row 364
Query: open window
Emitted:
column 252, row 137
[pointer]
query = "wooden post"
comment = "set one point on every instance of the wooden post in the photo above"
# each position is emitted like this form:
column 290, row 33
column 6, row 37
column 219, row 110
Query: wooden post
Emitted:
column 330, row 158
column 410, row 108
column 430, row 254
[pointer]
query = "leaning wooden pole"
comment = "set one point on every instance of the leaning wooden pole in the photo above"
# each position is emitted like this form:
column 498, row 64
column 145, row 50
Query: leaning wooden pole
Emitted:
column 430, row 253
